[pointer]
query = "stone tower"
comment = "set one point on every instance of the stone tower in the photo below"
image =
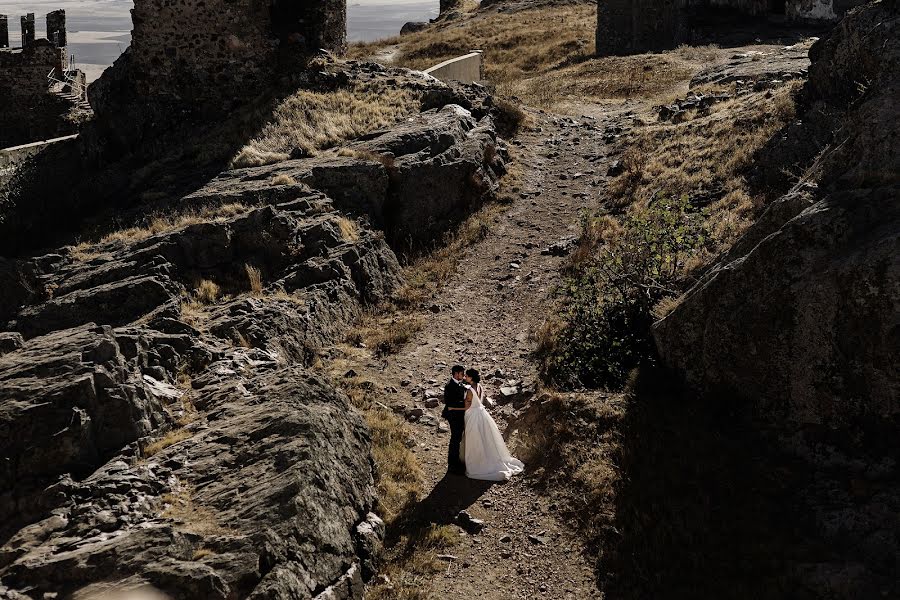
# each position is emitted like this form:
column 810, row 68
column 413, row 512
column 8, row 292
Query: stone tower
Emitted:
column 56, row 28
column 28, row 30
column 4, row 32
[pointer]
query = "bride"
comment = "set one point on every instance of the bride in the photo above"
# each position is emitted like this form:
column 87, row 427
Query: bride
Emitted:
column 484, row 451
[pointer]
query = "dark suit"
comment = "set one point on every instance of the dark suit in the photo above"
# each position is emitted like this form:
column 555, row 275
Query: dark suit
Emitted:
column 455, row 397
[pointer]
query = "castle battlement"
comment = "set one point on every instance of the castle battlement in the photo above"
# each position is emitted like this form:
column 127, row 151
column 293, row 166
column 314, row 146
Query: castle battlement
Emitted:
column 38, row 82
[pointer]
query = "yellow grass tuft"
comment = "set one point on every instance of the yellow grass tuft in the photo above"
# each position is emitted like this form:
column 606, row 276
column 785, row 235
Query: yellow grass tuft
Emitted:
column 180, row 507
column 385, row 334
column 170, row 439
column 254, row 278
column 283, row 179
column 207, row 292
column 349, row 229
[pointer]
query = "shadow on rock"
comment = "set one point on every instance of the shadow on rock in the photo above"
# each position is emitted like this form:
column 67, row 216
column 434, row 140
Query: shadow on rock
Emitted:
column 452, row 494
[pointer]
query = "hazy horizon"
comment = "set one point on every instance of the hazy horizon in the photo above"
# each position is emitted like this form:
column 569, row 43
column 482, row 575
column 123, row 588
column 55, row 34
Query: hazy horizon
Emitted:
column 100, row 30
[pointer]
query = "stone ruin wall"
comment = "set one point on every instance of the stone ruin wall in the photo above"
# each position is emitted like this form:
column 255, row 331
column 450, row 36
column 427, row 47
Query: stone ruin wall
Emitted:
column 29, row 112
column 206, row 51
column 633, row 26
column 620, row 31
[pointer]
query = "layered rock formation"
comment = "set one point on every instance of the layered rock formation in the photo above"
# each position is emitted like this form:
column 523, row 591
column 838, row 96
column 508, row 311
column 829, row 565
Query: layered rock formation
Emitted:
column 796, row 329
column 162, row 423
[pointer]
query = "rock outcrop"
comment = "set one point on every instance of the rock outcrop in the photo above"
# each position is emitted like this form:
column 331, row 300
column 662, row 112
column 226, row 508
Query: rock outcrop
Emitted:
column 205, row 461
column 162, row 422
column 414, row 180
column 796, row 329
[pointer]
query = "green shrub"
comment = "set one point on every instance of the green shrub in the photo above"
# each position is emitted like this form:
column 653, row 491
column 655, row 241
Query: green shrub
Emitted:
column 609, row 298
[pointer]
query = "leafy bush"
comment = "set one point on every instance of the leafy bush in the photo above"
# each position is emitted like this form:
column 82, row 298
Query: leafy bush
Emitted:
column 609, row 297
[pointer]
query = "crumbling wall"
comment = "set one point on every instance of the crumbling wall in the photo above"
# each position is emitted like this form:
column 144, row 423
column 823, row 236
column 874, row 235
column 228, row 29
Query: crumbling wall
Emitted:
column 206, row 51
column 630, row 26
column 56, row 28
column 196, row 60
column 29, row 112
column 633, row 26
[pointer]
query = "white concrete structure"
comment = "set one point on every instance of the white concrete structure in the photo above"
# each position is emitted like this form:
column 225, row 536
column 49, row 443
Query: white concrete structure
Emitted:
column 466, row 69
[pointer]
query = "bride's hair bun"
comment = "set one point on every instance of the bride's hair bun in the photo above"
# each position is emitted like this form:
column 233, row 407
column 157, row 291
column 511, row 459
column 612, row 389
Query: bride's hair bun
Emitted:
column 476, row 377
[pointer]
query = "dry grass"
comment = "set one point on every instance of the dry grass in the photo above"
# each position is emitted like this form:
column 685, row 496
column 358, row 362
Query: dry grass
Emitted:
column 241, row 341
column 180, row 507
column 312, row 121
column 207, row 292
column 294, row 298
column 574, row 442
column 516, row 44
column 705, row 159
column 646, row 76
column 170, row 439
column 254, row 278
column 193, row 313
column 283, row 179
column 385, row 334
column 387, row 160
column 399, row 473
column 159, row 224
column 704, row 54
column 349, row 229
column 544, row 56
column 202, row 553
column 666, row 306
column 412, row 564
column 424, row 276
column 410, row 560
column 399, row 477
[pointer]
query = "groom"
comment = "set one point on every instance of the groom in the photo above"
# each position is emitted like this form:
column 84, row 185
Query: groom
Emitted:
column 454, row 412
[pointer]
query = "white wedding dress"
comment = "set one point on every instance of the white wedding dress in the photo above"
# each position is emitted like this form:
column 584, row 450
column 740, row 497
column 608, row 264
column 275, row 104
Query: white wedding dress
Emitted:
column 484, row 450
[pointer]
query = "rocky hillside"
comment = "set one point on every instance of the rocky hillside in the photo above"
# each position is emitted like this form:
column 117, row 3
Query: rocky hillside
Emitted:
column 163, row 421
column 221, row 348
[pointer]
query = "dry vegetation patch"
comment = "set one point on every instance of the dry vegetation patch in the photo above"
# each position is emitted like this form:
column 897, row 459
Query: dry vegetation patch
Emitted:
column 575, row 445
column 180, row 506
column 645, row 76
column 169, row 439
column 412, row 563
column 159, row 224
column 309, row 121
column 399, row 478
column 517, row 45
column 706, row 159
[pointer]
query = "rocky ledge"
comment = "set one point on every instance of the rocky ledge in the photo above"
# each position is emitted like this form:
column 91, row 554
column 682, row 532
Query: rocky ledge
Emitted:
column 162, row 423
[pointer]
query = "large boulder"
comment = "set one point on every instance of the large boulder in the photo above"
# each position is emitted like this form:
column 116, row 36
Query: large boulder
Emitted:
column 801, row 318
column 792, row 338
column 269, row 498
column 414, row 180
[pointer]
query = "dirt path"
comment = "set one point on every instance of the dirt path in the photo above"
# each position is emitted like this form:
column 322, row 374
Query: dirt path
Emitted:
column 483, row 318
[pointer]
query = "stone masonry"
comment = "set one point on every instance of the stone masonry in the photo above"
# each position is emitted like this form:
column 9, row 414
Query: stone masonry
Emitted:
column 205, row 51
column 28, row 30
column 633, row 26
column 31, row 110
